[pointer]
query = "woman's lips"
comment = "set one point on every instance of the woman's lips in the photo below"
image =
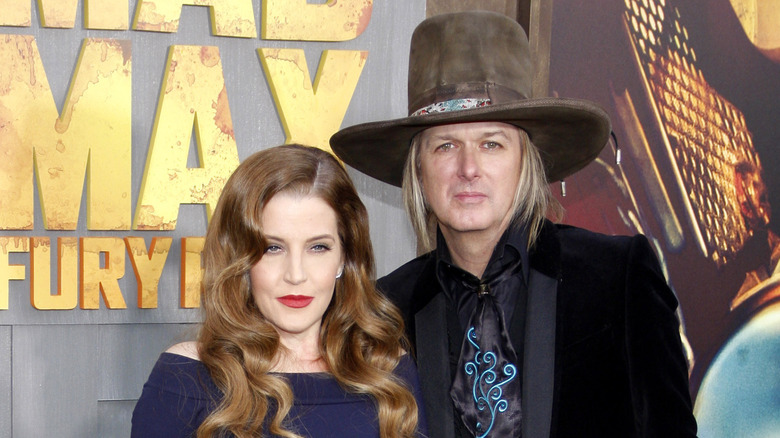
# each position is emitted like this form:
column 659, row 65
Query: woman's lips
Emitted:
column 295, row 301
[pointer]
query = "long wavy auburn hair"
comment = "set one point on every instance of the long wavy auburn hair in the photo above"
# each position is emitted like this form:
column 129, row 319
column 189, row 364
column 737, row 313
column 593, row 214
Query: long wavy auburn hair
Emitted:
column 362, row 333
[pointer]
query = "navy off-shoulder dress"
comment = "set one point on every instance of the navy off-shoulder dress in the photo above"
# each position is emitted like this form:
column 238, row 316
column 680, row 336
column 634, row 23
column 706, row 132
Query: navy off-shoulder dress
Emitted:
column 180, row 394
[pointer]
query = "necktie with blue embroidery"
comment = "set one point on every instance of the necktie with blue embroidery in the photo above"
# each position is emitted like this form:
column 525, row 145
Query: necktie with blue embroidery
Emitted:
column 486, row 389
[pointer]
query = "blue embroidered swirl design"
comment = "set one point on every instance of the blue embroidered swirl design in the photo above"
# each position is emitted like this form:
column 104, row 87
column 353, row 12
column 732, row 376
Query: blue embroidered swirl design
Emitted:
column 488, row 389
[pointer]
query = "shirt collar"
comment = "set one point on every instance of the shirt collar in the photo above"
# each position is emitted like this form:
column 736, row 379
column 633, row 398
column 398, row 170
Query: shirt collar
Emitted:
column 512, row 244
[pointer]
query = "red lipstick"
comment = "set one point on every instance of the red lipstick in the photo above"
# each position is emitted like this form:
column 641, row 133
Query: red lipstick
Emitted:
column 296, row 301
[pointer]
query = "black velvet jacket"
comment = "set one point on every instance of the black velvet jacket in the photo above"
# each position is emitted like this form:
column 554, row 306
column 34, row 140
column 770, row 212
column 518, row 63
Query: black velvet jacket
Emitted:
column 602, row 351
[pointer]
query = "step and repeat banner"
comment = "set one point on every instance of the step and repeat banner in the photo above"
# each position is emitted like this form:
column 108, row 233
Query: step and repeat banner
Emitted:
column 120, row 121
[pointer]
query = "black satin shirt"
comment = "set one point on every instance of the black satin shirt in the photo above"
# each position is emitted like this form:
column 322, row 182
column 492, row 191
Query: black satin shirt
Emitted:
column 512, row 245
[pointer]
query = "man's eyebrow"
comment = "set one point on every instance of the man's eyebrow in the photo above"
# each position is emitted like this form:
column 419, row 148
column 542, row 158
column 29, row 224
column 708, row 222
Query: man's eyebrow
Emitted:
column 439, row 137
column 448, row 137
column 498, row 132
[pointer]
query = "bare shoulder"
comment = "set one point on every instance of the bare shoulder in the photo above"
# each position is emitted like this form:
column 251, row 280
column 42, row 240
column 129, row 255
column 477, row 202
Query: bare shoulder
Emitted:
column 186, row 349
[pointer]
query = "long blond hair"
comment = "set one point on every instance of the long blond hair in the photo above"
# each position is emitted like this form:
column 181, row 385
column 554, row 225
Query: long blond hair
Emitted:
column 362, row 333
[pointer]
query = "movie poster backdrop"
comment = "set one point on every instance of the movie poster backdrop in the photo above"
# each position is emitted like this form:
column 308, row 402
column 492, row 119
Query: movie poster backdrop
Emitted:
column 693, row 90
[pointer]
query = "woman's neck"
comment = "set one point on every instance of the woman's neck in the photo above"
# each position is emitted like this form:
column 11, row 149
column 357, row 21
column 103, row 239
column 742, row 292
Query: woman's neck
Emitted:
column 299, row 356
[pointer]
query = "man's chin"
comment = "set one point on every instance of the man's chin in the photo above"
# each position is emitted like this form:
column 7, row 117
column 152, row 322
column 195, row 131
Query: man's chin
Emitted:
column 471, row 227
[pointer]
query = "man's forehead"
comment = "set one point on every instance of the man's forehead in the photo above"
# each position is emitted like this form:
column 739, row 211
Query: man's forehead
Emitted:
column 471, row 129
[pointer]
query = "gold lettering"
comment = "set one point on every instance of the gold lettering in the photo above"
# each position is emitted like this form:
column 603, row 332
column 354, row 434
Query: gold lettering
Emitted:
column 99, row 280
column 58, row 13
column 60, row 147
column 336, row 20
column 310, row 114
column 105, row 14
column 15, row 13
column 193, row 93
column 8, row 271
column 191, row 271
column 67, row 269
column 98, row 14
column 148, row 267
column 233, row 18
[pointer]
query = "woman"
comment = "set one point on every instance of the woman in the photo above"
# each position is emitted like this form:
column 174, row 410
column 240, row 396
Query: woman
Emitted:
column 296, row 340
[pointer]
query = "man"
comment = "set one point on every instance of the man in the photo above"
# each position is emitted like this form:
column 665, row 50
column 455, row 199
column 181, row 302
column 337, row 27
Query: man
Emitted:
column 520, row 326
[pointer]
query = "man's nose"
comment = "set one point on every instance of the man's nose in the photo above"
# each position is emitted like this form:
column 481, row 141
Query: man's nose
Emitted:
column 468, row 163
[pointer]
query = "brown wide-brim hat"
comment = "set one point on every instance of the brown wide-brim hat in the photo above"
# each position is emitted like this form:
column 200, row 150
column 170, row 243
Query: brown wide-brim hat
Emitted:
column 476, row 67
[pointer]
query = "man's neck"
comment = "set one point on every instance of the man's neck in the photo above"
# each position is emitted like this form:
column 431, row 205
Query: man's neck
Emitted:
column 471, row 251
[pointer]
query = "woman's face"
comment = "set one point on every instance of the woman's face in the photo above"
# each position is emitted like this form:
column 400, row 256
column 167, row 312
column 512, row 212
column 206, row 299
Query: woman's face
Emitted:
column 293, row 282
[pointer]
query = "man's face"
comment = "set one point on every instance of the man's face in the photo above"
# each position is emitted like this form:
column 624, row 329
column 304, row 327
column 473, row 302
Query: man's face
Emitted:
column 470, row 172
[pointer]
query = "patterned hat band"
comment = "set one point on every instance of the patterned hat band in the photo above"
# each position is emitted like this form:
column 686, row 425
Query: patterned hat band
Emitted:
column 451, row 105
column 458, row 97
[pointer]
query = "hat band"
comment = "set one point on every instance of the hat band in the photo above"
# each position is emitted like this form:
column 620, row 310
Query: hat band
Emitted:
column 451, row 105
column 462, row 96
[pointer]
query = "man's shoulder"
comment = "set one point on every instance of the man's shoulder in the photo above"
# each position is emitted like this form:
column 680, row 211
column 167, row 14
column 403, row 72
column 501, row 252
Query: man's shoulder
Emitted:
column 405, row 276
column 570, row 245
column 588, row 249
column 411, row 285
column 571, row 237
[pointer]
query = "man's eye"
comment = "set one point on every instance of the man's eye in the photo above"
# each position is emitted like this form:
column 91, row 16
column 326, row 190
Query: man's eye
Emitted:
column 492, row 145
column 445, row 147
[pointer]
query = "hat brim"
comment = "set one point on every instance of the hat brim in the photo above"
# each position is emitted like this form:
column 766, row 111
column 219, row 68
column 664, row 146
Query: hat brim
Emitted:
column 569, row 133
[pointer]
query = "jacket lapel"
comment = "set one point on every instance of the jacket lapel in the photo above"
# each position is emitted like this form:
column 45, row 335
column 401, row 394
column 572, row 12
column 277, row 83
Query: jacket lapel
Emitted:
column 434, row 370
column 539, row 355
column 539, row 344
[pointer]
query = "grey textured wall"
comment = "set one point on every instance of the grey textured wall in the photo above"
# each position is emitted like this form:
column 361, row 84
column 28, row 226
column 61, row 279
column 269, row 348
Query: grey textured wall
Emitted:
column 77, row 373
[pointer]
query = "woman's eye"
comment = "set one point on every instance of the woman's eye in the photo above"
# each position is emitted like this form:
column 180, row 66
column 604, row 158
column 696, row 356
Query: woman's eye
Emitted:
column 273, row 249
column 320, row 247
